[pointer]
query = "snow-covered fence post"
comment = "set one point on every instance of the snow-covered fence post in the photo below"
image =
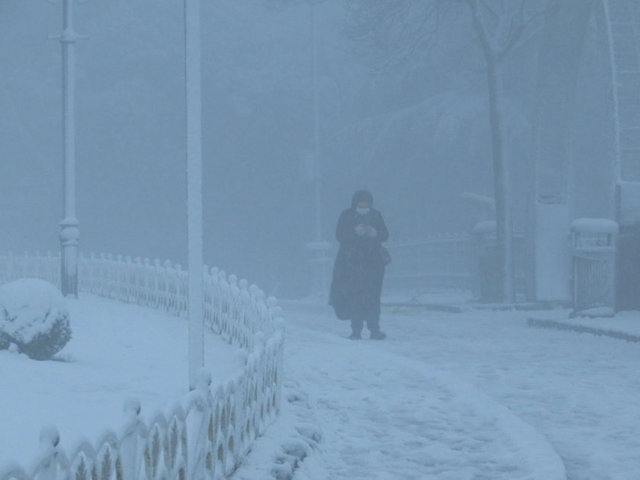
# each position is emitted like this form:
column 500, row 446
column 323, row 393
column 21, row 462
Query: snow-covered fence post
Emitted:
column 275, row 314
column 232, row 439
column 183, row 293
column 233, row 311
column 143, row 280
column 109, row 280
column 245, row 314
column 159, row 284
column 207, row 297
column 176, row 454
column 170, row 286
column 197, row 417
column 50, row 455
column 151, row 281
column 51, row 269
column 129, row 440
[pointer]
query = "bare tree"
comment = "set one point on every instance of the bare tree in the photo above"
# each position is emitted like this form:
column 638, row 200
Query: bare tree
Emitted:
column 406, row 31
column 500, row 26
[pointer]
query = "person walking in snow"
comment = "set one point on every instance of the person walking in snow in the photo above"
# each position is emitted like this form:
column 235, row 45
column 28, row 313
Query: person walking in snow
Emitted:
column 359, row 266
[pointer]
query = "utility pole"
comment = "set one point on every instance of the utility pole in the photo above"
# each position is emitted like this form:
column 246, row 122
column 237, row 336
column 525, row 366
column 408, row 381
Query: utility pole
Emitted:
column 193, row 93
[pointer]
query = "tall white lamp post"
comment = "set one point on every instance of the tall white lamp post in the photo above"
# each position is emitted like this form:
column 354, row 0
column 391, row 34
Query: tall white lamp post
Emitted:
column 194, row 187
column 317, row 172
column 69, row 231
column 318, row 247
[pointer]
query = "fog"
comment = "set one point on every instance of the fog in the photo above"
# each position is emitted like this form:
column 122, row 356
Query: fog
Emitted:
column 402, row 110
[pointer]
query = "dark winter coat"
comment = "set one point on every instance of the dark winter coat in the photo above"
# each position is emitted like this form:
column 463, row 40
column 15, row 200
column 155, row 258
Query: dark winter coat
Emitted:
column 359, row 266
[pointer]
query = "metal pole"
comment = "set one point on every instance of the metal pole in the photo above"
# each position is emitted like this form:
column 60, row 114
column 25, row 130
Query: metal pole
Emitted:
column 615, row 83
column 194, row 187
column 69, row 231
column 317, row 175
column 317, row 168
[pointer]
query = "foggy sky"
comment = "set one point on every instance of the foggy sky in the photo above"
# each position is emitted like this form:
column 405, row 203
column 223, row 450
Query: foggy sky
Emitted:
column 415, row 134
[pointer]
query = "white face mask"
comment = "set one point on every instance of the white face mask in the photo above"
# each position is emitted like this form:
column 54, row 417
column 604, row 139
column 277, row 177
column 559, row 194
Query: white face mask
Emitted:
column 362, row 210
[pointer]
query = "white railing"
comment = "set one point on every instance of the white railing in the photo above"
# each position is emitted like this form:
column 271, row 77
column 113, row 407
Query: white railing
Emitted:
column 438, row 262
column 435, row 262
column 209, row 432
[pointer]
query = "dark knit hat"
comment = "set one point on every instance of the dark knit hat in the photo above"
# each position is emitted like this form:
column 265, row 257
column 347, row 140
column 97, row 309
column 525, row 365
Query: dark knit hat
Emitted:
column 361, row 196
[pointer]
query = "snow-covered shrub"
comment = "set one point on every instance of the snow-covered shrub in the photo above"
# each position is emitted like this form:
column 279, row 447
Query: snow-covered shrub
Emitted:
column 34, row 317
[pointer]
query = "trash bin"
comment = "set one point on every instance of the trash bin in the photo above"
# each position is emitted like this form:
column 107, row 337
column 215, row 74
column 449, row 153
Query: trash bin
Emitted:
column 593, row 273
column 628, row 268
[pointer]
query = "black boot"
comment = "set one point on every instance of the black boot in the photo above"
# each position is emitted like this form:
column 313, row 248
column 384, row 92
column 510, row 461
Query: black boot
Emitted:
column 378, row 335
column 356, row 328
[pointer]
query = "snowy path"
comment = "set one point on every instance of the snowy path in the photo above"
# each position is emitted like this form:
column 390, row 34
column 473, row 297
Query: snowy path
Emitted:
column 387, row 418
column 581, row 391
column 445, row 394
column 384, row 415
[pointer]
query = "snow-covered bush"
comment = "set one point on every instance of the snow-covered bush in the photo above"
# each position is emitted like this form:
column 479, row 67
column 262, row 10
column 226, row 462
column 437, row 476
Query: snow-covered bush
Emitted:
column 34, row 317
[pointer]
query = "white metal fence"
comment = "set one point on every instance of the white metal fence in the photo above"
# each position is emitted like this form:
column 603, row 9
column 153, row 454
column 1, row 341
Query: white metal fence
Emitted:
column 439, row 261
column 461, row 262
column 212, row 430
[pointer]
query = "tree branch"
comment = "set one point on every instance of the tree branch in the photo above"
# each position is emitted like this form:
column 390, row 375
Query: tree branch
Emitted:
column 495, row 14
column 480, row 28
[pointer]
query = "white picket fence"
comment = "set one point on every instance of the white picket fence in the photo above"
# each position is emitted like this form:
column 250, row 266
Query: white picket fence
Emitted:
column 210, row 431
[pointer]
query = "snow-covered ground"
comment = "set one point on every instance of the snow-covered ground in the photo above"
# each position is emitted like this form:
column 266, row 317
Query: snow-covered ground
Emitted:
column 117, row 352
column 472, row 395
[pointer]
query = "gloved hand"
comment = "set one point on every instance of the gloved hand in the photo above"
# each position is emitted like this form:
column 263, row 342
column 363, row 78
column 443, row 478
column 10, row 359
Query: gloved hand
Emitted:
column 361, row 230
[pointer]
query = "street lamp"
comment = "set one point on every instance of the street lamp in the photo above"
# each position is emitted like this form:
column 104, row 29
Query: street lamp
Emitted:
column 193, row 94
column 318, row 247
column 69, row 231
column 316, row 125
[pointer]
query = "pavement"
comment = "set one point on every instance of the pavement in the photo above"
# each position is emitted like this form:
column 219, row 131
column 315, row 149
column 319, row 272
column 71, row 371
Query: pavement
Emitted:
column 622, row 325
column 456, row 393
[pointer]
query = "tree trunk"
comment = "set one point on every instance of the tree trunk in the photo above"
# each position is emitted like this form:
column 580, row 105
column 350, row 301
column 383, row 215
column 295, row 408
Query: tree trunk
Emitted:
column 500, row 178
column 500, row 173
